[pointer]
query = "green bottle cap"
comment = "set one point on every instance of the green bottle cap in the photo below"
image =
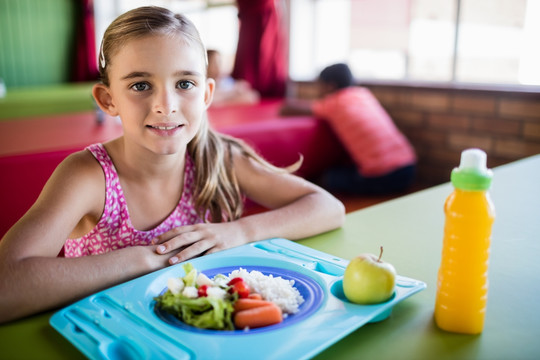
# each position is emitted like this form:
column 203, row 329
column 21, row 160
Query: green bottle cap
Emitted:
column 472, row 173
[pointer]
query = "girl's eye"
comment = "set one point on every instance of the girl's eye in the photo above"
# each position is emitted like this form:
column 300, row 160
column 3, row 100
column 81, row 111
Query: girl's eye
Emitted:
column 140, row 86
column 185, row 85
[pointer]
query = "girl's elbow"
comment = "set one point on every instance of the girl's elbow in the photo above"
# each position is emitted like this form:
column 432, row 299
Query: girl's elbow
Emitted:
column 334, row 213
column 339, row 213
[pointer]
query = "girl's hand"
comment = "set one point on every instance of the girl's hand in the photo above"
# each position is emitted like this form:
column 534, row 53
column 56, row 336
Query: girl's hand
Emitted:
column 186, row 242
column 149, row 256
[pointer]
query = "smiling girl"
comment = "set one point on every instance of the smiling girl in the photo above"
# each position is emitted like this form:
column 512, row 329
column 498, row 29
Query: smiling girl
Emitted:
column 168, row 190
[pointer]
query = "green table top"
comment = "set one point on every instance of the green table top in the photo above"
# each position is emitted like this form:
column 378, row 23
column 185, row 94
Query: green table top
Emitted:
column 410, row 229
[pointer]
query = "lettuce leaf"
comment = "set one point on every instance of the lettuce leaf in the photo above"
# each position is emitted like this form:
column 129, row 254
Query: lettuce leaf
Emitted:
column 191, row 274
column 202, row 312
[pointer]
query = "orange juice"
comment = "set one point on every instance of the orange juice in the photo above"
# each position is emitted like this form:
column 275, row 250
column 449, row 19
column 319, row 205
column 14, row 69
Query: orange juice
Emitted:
column 462, row 284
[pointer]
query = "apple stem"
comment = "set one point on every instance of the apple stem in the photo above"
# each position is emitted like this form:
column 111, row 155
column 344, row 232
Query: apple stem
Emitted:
column 380, row 255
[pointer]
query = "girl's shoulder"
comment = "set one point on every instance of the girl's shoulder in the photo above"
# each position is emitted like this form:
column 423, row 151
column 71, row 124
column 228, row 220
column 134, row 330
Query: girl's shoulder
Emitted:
column 75, row 189
column 81, row 161
column 79, row 169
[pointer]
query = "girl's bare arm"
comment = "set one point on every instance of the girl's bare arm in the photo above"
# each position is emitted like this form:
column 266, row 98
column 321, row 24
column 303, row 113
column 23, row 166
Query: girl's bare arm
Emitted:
column 298, row 209
column 32, row 277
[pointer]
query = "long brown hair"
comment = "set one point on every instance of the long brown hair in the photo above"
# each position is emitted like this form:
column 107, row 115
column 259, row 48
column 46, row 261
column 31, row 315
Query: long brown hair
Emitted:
column 218, row 196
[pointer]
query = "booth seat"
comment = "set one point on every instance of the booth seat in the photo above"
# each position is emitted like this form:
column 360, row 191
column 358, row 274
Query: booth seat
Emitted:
column 281, row 140
column 31, row 148
column 21, row 181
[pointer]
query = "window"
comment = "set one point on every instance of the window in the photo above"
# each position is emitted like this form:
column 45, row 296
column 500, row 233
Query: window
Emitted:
column 499, row 41
column 216, row 20
column 467, row 41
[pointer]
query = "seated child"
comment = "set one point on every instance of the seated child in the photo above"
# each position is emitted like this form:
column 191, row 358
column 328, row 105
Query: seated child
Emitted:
column 168, row 190
column 384, row 160
column 228, row 90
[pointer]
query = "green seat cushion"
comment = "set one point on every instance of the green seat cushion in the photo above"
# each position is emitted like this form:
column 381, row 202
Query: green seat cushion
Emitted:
column 46, row 100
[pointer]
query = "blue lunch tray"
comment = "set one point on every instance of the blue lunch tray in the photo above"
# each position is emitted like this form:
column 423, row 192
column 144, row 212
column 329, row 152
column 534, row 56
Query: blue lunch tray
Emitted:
column 123, row 323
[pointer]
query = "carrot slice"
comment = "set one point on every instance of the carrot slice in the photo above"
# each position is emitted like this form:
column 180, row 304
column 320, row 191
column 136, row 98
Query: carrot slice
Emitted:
column 247, row 303
column 255, row 296
column 258, row 317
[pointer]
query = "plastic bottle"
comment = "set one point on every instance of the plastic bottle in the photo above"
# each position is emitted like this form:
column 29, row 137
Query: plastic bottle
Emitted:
column 462, row 285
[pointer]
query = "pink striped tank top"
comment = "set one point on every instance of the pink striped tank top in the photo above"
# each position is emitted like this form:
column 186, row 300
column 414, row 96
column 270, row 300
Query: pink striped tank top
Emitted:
column 114, row 229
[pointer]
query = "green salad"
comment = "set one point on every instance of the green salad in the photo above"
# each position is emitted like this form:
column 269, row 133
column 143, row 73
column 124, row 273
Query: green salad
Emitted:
column 199, row 301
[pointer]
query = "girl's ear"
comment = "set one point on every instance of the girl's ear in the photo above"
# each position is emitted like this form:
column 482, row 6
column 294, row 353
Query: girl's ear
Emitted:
column 209, row 92
column 103, row 99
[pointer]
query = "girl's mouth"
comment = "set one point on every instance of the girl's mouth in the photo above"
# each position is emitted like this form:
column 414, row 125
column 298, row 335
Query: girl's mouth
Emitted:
column 164, row 130
column 163, row 127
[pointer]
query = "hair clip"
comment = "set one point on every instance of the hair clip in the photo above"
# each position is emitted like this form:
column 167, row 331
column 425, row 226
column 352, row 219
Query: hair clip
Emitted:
column 102, row 56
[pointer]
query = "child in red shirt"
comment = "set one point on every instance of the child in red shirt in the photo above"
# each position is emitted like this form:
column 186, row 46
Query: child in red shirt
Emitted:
column 384, row 160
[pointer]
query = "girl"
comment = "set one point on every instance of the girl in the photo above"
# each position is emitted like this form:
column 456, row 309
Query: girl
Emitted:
column 166, row 191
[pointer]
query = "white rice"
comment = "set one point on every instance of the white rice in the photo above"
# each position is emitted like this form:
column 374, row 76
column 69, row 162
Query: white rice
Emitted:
column 275, row 289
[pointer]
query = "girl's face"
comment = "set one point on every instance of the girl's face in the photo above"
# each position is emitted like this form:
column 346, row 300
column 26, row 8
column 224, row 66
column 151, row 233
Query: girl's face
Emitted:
column 158, row 87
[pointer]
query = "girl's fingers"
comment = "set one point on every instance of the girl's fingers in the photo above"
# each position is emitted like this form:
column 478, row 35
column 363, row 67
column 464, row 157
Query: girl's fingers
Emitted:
column 173, row 233
column 178, row 241
column 194, row 250
column 213, row 250
column 187, row 242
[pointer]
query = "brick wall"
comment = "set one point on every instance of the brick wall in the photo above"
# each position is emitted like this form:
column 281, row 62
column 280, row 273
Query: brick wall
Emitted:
column 441, row 122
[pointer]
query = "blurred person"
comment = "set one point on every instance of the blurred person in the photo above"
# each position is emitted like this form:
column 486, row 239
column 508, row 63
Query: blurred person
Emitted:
column 383, row 159
column 228, row 90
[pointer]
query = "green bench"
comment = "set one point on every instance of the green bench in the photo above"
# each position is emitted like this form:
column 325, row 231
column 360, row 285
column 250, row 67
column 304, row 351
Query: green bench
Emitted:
column 27, row 102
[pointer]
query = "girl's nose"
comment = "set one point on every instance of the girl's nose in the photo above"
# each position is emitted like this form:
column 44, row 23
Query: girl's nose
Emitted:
column 166, row 102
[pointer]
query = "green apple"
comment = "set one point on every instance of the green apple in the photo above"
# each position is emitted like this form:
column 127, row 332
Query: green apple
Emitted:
column 368, row 280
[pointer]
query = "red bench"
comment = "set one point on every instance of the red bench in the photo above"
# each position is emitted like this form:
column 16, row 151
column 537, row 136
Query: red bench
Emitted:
column 281, row 139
